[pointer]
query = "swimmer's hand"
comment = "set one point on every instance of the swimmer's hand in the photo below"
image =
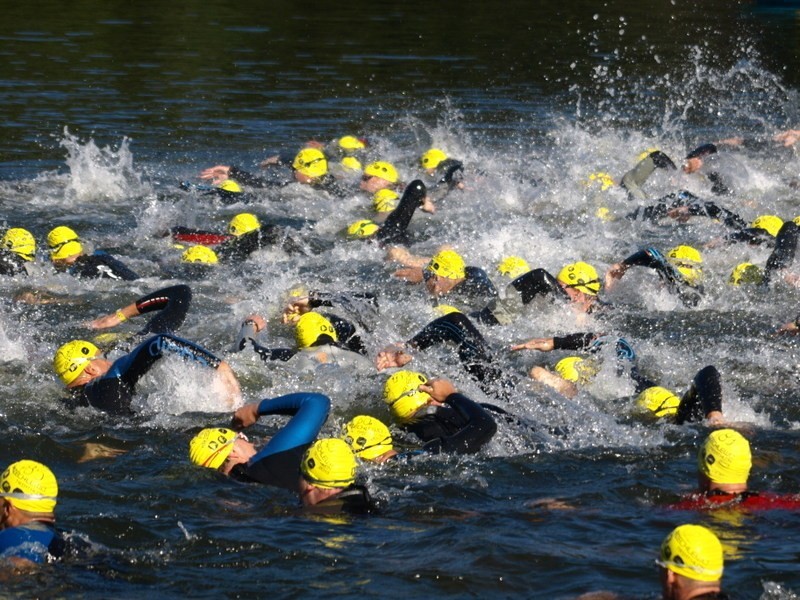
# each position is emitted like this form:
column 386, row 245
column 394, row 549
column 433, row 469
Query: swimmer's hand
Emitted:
column 269, row 161
column 217, row 174
column 294, row 310
column 438, row 389
column 93, row 451
column 787, row 138
column 105, row 322
column 788, row 329
column 391, row 357
column 614, row 274
column 427, row 205
column 245, row 416
column 541, row 344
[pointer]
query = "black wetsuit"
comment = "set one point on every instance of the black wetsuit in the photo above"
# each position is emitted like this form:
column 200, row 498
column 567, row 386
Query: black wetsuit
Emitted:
column 362, row 306
column 635, row 178
column 393, row 230
column 100, row 265
column 11, row 263
column 703, row 396
column 326, row 183
column 473, row 351
column 462, row 426
column 36, row 541
column 354, row 499
column 785, row 250
column 450, row 173
column 172, row 304
column 114, row 391
column 653, row 259
column 476, row 289
column 696, row 207
column 278, row 463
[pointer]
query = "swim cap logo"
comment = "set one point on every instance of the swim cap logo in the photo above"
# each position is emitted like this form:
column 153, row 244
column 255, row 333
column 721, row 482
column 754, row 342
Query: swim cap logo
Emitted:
column 710, row 459
column 311, row 463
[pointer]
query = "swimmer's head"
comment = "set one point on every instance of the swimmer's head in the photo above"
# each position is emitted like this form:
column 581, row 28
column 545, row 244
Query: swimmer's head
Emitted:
column 432, row 158
column 401, row 392
column 63, row 243
column 383, row 170
column 19, row 241
column 351, row 163
column 385, row 200
column 687, row 260
column 30, row 486
column 351, row 143
column 447, row 264
column 72, row 358
column 243, row 223
column 694, row 552
column 659, row 401
column 746, row 274
column 580, row 276
column 367, row 436
column 363, row 228
column 329, row 463
column 311, row 327
column 725, row 457
column 513, row 266
column 200, row 254
column 769, row 223
column 211, row 447
column 576, row 369
column 311, row 163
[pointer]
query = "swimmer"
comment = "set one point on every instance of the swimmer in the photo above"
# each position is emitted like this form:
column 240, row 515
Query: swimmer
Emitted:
column 680, row 271
column 380, row 175
column 66, row 254
column 171, row 304
column 634, row 179
column 94, row 381
column 321, row 339
column 577, row 283
column 691, row 564
column 447, row 173
column 441, row 417
column 393, row 229
column 723, row 464
column 17, row 252
column 28, row 496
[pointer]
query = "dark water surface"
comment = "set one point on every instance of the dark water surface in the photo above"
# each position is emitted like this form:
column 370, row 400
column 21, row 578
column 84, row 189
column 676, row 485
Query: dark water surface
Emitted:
column 105, row 106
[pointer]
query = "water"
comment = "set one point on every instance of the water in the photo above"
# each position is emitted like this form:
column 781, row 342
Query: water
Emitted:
column 105, row 109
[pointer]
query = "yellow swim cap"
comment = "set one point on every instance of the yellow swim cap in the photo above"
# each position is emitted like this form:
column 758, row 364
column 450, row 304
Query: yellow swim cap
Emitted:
column 746, row 273
column 658, row 400
column 351, row 163
column 351, row 142
column 211, row 447
column 725, row 457
column 694, row 552
column 447, row 264
column 432, row 158
column 229, row 185
column 401, row 392
column 20, row 241
column 580, row 276
column 645, row 154
column 769, row 223
column 576, row 369
column 30, row 486
column 310, row 327
column 367, row 436
column 513, row 266
column 604, row 180
column 445, row 309
column 687, row 260
column 329, row 463
column 72, row 358
column 243, row 223
column 311, row 163
column 385, row 200
column 382, row 169
column 200, row 254
column 63, row 243
column 362, row 229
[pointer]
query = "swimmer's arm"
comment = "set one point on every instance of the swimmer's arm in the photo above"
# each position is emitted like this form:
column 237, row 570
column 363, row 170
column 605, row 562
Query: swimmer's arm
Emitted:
column 410, row 274
column 541, row 344
column 115, row 318
column 232, row 392
column 393, row 356
column 558, row 383
column 248, row 331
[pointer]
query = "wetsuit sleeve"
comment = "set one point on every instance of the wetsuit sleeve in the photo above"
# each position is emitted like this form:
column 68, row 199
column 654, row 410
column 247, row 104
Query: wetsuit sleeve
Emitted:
column 131, row 367
column 750, row 235
column 393, row 230
column 100, row 265
column 523, row 290
column 172, row 304
column 30, row 542
column 703, row 396
column 198, row 236
column 251, row 180
column 346, row 334
column 317, row 298
column 785, row 249
column 238, row 248
column 278, row 463
column 270, row 354
column 634, row 179
column 477, row 285
column 575, row 341
column 653, row 259
column 478, row 429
